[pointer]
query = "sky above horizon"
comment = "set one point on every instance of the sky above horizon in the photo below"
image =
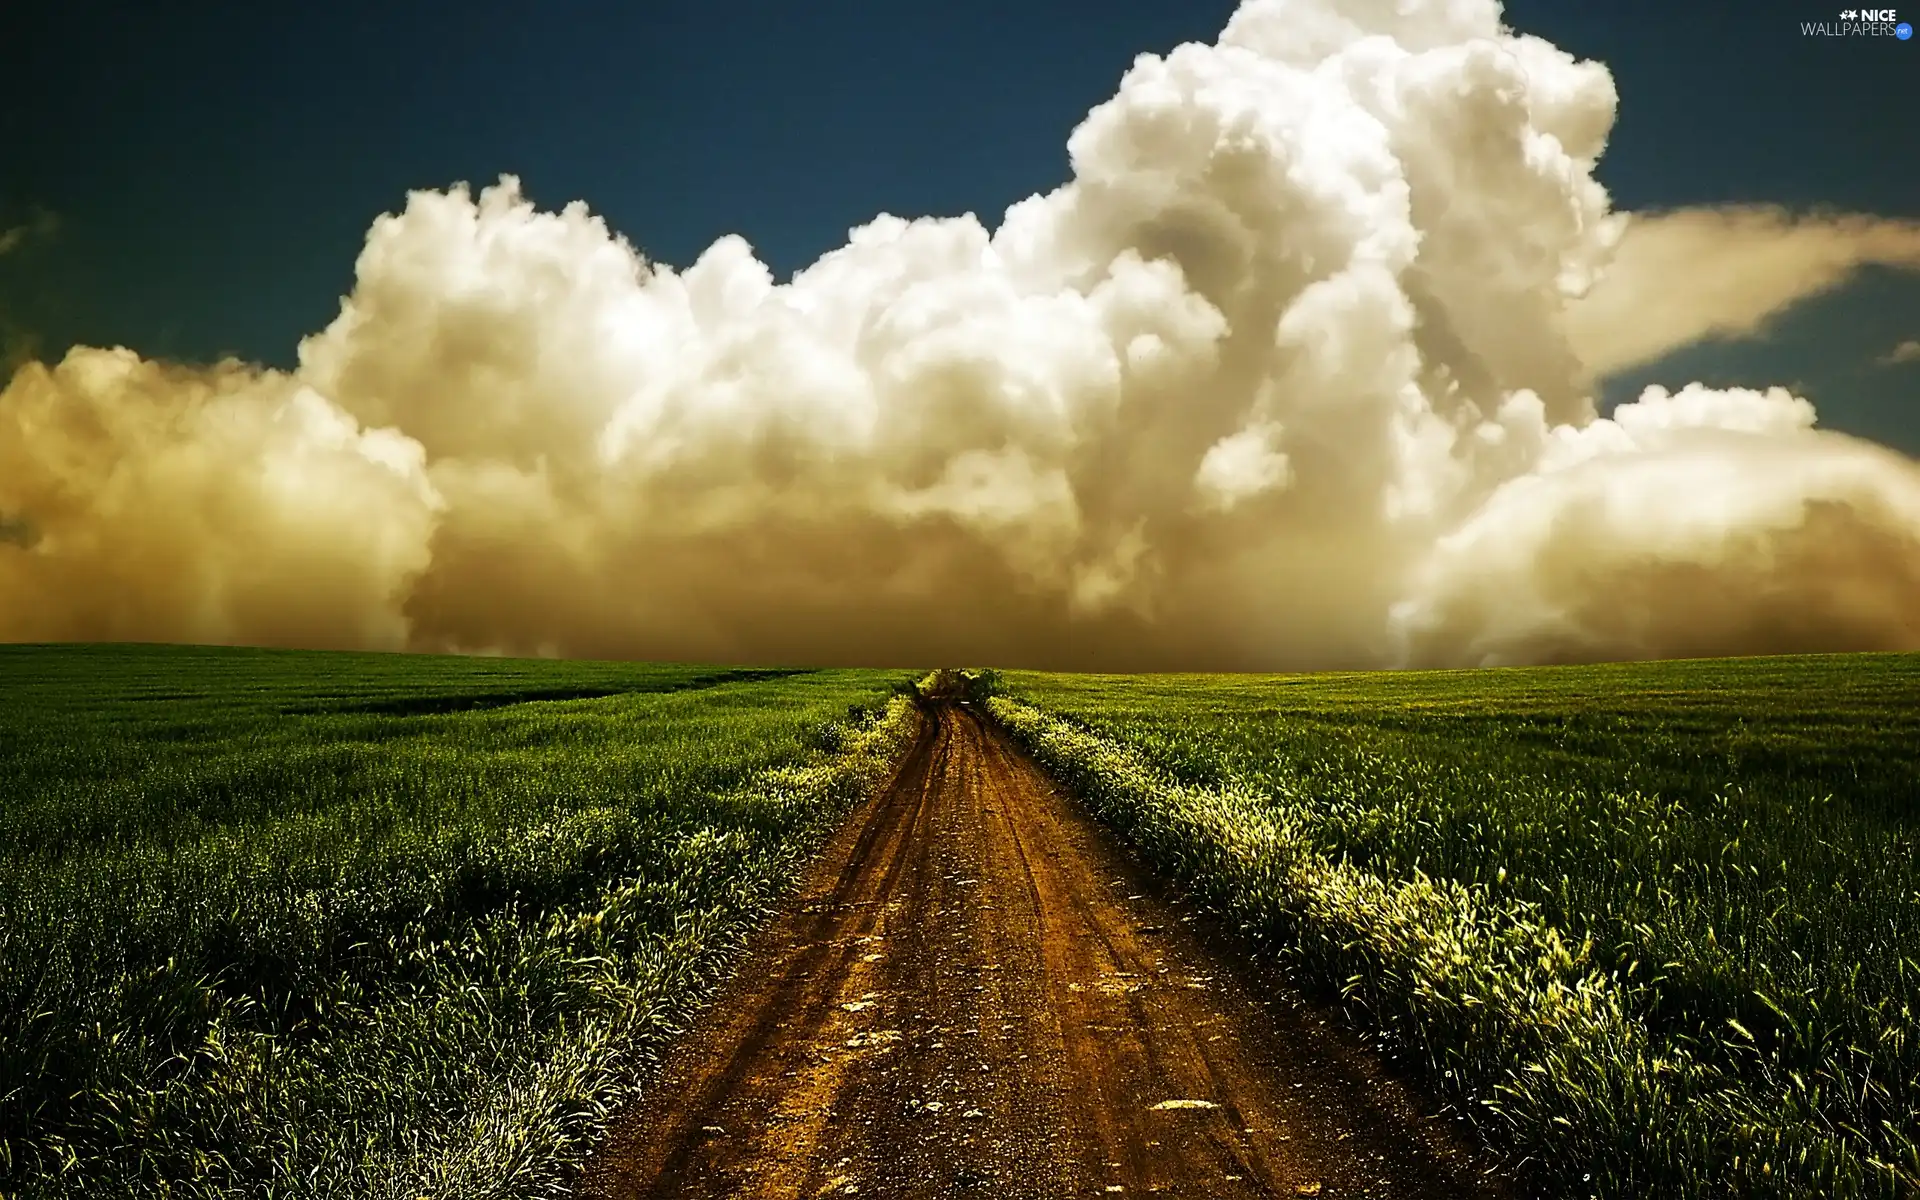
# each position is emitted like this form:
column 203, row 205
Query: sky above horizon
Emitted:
column 1200, row 335
column 194, row 183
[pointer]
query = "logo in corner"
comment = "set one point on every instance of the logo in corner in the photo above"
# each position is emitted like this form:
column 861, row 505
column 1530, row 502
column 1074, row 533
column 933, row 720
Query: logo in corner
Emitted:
column 1861, row 22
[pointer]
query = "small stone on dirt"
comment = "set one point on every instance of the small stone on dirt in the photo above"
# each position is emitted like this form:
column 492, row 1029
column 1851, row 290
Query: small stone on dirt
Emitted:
column 878, row 1037
column 1167, row 1104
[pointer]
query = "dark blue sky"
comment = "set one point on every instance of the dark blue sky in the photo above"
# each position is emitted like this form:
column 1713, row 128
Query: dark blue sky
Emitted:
column 214, row 166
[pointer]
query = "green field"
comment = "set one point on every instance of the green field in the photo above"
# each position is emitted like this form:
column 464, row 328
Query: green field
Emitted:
column 288, row 924
column 1655, row 927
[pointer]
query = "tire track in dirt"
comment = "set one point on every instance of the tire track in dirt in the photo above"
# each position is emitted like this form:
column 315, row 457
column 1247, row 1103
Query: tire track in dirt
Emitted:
column 977, row 993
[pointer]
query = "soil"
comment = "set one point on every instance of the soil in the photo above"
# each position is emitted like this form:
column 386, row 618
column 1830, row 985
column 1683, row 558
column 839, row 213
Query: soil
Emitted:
column 977, row 993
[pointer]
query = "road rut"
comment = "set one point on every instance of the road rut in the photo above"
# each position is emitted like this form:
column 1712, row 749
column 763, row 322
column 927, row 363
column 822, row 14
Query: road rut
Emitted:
column 977, row 993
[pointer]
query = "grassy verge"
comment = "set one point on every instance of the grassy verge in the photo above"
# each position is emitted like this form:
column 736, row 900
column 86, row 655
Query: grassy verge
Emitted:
column 318, row 925
column 1651, row 926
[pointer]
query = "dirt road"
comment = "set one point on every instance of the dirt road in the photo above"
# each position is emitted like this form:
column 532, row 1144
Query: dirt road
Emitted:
column 976, row 994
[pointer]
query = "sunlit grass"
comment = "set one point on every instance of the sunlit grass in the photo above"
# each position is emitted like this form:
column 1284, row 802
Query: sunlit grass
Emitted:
column 285, row 924
column 1654, row 925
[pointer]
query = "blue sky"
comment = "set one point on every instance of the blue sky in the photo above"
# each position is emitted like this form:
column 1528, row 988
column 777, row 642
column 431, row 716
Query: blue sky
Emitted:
column 212, row 172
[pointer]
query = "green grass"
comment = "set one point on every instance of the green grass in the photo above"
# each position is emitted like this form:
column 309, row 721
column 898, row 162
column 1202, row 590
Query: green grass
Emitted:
column 287, row 924
column 1656, row 926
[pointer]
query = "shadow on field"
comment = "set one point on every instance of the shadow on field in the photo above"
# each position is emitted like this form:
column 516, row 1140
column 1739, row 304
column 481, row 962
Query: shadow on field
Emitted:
column 432, row 705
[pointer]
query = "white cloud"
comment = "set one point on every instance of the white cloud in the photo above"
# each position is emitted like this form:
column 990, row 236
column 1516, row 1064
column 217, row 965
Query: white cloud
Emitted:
column 1696, row 273
column 1286, row 374
column 1906, row 352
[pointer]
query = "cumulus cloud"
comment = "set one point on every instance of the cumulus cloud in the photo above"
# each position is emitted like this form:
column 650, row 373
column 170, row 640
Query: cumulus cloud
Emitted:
column 1295, row 370
column 1695, row 273
column 1687, row 525
column 143, row 501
